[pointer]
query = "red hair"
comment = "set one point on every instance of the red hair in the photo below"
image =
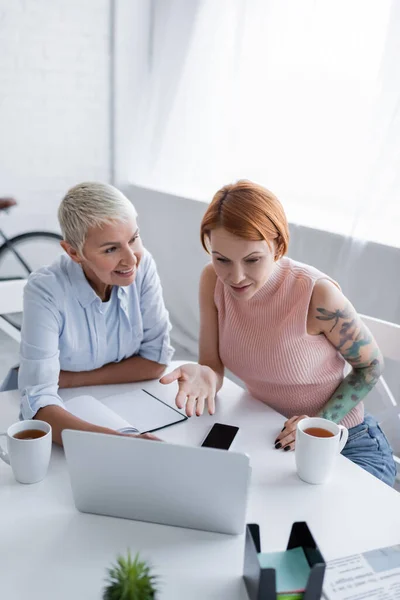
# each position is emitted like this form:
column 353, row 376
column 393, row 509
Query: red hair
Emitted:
column 249, row 211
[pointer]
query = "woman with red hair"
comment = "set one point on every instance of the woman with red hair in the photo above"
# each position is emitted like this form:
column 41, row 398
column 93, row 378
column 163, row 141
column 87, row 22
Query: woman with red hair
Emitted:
column 283, row 327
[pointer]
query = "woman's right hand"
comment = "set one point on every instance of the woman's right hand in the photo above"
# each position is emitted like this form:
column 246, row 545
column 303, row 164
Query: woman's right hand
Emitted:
column 197, row 388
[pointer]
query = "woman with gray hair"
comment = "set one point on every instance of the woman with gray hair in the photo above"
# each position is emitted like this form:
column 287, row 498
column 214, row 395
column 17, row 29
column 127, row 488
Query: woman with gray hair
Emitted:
column 95, row 316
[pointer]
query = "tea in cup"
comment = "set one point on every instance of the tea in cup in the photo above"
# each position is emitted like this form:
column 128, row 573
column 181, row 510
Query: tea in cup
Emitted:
column 318, row 443
column 28, row 450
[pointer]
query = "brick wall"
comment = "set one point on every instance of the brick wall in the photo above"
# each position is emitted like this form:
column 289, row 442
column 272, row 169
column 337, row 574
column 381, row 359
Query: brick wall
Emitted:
column 54, row 103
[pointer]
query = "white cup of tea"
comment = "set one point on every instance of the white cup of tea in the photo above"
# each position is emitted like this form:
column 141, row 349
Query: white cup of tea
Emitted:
column 28, row 450
column 318, row 443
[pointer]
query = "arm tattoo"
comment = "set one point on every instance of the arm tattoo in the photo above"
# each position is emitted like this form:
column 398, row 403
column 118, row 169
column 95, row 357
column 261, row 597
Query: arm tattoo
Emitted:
column 353, row 336
column 351, row 391
column 327, row 315
column 357, row 335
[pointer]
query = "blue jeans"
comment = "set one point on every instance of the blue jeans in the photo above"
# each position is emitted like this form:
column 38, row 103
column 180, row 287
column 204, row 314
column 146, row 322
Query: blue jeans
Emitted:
column 368, row 447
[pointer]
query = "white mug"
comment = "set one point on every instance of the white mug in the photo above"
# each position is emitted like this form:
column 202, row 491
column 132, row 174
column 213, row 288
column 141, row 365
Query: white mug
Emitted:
column 315, row 456
column 29, row 458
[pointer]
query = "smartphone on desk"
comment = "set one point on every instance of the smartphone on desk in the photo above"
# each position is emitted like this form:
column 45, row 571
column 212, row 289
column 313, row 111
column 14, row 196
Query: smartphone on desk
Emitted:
column 220, row 436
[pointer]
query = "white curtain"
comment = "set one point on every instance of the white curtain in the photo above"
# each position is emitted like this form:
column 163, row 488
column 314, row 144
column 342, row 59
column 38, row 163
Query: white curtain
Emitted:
column 300, row 96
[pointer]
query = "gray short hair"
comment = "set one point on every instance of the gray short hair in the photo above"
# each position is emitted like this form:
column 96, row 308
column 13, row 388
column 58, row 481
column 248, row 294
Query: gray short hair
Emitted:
column 91, row 204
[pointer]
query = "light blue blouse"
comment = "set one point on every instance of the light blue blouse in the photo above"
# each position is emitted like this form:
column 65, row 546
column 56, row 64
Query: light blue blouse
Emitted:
column 110, row 310
column 65, row 327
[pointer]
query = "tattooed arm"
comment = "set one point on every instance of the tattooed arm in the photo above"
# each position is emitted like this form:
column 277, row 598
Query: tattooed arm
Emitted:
column 331, row 314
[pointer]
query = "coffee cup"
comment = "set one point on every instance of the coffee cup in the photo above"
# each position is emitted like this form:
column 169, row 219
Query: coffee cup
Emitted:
column 28, row 450
column 318, row 443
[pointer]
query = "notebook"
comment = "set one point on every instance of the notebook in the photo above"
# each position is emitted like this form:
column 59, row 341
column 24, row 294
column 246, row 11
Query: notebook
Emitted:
column 138, row 411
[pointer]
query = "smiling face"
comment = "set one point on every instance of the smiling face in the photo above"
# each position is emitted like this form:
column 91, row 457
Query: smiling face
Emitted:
column 110, row 256
column 243, row 266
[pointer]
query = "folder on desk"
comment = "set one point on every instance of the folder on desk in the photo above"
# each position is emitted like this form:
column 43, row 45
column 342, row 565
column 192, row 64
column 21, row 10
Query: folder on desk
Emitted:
column 138, row 411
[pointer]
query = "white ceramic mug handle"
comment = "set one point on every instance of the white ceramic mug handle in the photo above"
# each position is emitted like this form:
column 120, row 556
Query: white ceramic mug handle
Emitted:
column 344, row 434
column 3, row 455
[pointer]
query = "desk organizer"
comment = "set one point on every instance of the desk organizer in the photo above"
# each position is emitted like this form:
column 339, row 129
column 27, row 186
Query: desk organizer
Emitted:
column 260, row 583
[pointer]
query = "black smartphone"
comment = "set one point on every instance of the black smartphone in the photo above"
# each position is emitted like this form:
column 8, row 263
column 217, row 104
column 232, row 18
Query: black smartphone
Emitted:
column 220, row 436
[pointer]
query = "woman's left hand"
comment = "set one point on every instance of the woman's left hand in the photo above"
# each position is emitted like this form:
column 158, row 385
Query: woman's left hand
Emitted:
column 287, row 437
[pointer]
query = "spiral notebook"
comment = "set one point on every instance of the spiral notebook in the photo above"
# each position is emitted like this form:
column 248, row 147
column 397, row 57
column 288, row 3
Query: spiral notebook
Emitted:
column 138, row 411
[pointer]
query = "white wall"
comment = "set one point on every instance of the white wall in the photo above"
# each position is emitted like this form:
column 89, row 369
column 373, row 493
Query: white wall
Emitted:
column 54, row 103
column 133, row 24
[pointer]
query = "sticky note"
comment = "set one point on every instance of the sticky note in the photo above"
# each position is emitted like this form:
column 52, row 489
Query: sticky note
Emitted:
column 291, row 569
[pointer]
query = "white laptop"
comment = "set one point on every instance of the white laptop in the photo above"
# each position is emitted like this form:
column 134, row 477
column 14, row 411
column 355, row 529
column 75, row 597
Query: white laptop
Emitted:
column 117, row 476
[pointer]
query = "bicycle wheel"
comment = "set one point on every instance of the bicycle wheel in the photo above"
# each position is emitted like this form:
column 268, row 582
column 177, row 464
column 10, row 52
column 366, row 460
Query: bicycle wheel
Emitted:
column 36, row 249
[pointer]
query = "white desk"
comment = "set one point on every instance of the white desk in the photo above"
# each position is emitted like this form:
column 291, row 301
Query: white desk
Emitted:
column 49, row 550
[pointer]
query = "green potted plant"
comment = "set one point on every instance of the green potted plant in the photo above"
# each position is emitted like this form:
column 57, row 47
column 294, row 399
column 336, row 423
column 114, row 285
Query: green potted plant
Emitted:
column 130, row 579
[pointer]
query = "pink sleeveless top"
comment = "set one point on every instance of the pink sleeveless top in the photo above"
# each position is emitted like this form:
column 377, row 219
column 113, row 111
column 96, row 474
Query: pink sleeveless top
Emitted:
column 264, row 341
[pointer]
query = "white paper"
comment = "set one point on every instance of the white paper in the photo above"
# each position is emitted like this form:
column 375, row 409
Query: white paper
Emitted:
column 142, row 410
column 373, row 575
column 91, row 410
column 132, row 411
